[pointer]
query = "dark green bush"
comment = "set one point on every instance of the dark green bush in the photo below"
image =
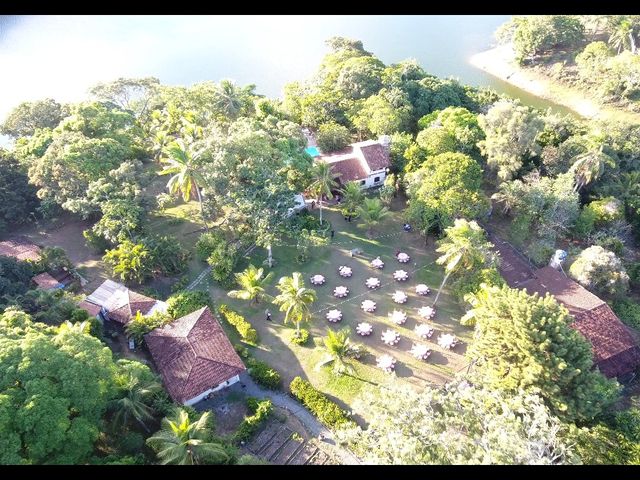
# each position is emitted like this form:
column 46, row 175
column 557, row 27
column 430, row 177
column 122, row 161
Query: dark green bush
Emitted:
column 628, row 311
column 187, row 301
column 244, row 328
column 634, row 274
column 300, row 339
column 261, row 410
column 263, row 374
column 207, row 243
column 324, row 409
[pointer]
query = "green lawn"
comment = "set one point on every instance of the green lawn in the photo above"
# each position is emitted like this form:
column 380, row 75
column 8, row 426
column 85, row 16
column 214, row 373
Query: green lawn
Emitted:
column 292, row 360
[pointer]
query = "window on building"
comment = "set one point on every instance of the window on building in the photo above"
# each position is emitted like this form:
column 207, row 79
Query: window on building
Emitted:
column 376, row 180
column 362, row 182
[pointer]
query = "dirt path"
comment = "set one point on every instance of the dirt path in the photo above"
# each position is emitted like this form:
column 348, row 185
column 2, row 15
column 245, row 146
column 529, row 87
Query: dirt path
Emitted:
column 500, row 63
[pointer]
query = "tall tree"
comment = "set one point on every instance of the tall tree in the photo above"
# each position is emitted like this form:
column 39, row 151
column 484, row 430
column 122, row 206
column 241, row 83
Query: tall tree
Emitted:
column 181, row 163
column 623, row 35
column 524, row 343
column 23, row 120
column 338, row 347
column 252, row 282
column 324, row 182
column 589, row 166
column 352, row 197
column 183, row 442
column 464, row 247
column 371, row 214
column 295, row 299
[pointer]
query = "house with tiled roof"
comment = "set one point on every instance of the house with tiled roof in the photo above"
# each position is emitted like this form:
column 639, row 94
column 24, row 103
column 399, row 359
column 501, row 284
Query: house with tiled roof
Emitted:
column 194, row 357
column 120, row 305
column 45, row 281
column 364, row 162
column 615, row 350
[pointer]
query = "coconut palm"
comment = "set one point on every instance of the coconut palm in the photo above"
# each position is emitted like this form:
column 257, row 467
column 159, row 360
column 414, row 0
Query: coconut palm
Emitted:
column 160, row 142
column 623, row 36
column 294, row 299
column 134, row 399
column 338, row 346
column 182, row 442
column 324, row 181
column 589, row 166
column 464, row 247
column 229, row 99
column 510, row 195
column 180, row 162
column 352, row 197
column 251, row 284
column 371, row 214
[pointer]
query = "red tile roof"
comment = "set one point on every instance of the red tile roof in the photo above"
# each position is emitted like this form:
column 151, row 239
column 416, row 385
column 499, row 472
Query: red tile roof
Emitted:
column 193, row 355
column 45, row 281
column 615, row 351
column 375, row 155
column 91, row 308
column 128, row 305
column 349, row 169
column 20, row 248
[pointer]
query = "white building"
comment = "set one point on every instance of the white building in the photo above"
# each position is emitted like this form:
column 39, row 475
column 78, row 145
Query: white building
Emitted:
column 364, row 162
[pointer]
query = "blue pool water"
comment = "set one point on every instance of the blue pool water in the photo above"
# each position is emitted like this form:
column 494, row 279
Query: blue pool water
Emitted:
column 313, row 151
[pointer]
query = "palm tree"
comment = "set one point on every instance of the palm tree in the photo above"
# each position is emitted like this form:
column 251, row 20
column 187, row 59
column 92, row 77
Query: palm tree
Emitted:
column 294, row 299
column 182, row 442
column 251, row 284
column 324, row 181
column 510, row 195
column 464, row 247
column 338, row 346
column 352, row 197
column 623, row 36
column 229, row 100
column 135, row 396
column 160, row 142
column 78, row 327
column 181, row 164
column 371, row 214
column 589, row 166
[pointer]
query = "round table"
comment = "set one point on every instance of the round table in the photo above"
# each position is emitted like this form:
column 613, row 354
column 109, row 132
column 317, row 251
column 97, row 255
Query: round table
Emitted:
column 427, row 312
column 422, row 289
column 377, row 263
column 372, row 282
column 334, row 315
column 364, row 329
column 423, row 331
column 368, row 306
column 400, row 275
column 345, row 271
column 386, row 363
column 390, row 337
column 446, row 340
column 398, row 317
column 340, row 291
column 317, row 279
column 399, row 296
column 403, row 257
column 420, row 351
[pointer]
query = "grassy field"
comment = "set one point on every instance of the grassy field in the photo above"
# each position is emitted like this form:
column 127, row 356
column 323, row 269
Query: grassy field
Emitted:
column 292, row 360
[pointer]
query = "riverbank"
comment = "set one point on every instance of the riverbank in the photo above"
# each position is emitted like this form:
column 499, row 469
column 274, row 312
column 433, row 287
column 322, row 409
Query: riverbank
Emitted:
column 500, row 62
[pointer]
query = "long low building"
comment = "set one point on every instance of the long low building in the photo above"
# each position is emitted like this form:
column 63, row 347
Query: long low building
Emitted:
column 194, row 357
column 615, row 350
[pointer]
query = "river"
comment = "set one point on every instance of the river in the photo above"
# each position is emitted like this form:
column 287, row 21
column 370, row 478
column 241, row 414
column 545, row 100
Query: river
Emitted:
column 62, row 56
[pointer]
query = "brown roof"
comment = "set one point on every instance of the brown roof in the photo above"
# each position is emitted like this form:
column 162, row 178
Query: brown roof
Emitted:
column 91, row 308
column 193, row 355
column 20, row 248
column 376, row 156
column 513, row 268
column 350, row 169
column 45, row 281
column 615, row 351
column 127, row 305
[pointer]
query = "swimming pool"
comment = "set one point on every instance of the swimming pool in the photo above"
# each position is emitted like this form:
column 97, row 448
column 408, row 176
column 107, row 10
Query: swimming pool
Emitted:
column 313, row 151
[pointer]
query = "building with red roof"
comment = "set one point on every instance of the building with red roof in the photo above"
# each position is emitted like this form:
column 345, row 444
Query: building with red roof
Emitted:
column 194, row 356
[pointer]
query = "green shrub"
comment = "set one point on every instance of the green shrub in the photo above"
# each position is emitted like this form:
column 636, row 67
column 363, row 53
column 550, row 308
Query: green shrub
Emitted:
column 130, row 442
column 95, row 242
column 241, row 350
column 324, row 409
column 300, row 339
column 606, row 210
column 263, row 374
column 628, row 423
column 223, row 260
column 540, row 251
column 471, row 282
column 628, row 311
column 181, row 284
column 140, row 325
column 261, row 410
column 185, row 302
column 332, row 137
column 207, row 243
column 585, row 223
column 634, row 274
column 611, row 243
column 244, row 328
column 520, row 229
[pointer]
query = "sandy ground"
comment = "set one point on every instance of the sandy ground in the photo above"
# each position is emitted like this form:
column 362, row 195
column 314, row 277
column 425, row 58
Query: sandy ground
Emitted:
column 500, row 63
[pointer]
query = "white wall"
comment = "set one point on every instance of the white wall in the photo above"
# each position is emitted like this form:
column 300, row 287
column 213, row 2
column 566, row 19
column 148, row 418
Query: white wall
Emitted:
column 369, row 183
column 229, row 382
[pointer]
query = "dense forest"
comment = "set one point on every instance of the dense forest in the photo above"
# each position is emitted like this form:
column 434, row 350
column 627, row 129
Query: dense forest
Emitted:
column 464, row 161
